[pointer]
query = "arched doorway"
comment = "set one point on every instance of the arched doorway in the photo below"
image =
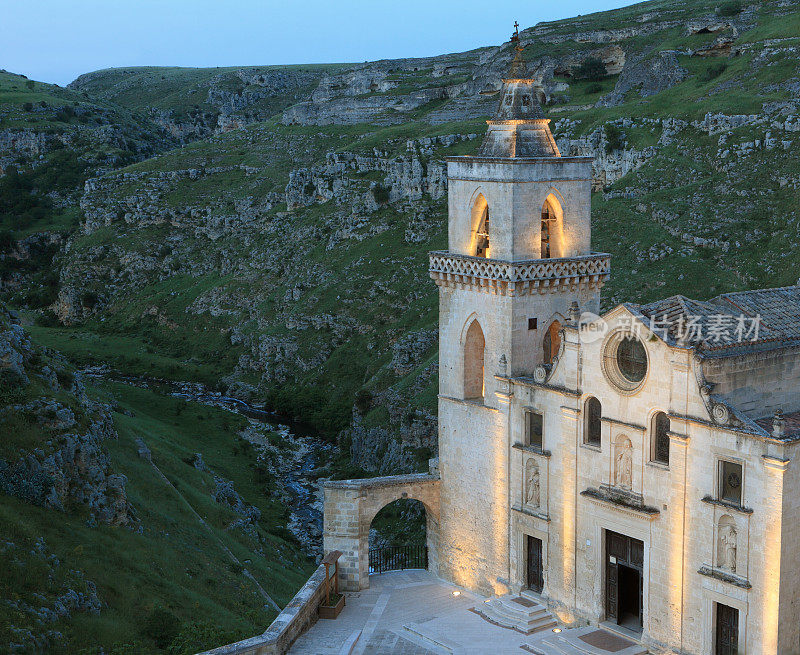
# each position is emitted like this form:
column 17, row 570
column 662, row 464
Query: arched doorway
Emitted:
column 398, row 537
column 351, row 506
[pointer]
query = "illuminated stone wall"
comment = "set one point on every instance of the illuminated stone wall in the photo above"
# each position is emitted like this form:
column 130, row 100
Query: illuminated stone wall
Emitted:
column 516, row 192
column 674, row 510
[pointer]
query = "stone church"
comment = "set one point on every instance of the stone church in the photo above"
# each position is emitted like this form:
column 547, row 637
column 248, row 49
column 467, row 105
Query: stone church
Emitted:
column 636, row 470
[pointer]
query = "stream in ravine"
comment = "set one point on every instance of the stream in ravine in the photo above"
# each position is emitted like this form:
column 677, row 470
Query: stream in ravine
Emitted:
column 297, row 470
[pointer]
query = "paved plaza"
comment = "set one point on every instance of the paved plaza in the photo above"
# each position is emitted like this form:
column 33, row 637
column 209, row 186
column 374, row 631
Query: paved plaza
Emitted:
column 416, row 613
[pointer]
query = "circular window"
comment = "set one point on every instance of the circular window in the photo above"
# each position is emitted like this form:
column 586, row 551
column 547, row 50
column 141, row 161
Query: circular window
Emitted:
column 632, row 359
column 625, row 361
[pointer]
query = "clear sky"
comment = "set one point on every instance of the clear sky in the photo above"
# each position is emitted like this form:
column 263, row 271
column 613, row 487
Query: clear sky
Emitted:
column 56, row 40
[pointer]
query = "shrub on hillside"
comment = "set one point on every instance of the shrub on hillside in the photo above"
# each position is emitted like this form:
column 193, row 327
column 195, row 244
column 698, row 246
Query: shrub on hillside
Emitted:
column 47, row 319
column 614, row 138
column 730, row 8
column 7, row 241
column 11, row 385
column 591, row 68
column 363, row 401
column 713, row 71
column 162, row 626
column 380, row 193
column 594, row 88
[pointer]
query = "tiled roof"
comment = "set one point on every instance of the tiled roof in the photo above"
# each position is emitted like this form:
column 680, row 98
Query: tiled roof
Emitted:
column 730, row 324
column 791, row 428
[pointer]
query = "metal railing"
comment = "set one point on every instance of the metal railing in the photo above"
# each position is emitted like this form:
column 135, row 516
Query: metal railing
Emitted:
column 397, row 558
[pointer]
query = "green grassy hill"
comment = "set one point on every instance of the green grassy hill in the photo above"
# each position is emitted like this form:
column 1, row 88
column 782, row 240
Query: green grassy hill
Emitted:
column 166, row 564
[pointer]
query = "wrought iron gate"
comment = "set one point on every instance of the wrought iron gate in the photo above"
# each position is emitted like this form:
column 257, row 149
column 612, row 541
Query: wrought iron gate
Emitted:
column 397, row 558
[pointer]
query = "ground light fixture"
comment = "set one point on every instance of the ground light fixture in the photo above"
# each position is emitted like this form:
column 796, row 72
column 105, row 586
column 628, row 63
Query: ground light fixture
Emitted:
column 456, row 593
column 556, row 629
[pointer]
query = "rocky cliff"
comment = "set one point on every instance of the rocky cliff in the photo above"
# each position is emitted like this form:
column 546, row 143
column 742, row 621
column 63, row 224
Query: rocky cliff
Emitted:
column 54, row 455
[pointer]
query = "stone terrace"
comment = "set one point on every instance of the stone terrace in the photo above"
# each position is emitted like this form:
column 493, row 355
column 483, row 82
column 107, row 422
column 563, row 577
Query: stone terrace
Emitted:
column 416, row 613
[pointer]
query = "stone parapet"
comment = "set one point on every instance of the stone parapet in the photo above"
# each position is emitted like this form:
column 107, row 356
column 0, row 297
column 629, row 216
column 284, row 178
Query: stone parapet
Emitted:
column 519, row 278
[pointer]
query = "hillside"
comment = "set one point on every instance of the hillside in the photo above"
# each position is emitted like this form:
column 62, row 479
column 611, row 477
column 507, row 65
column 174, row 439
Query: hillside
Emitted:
column 295, row 248
column 191, row 103
column 51, row 141
column 264, row 231
column 103, row 486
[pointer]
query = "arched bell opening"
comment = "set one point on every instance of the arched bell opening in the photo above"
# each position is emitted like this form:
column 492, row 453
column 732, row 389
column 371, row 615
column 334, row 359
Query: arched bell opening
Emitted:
column 481, row 244
column 551, row 235
column 551, row 342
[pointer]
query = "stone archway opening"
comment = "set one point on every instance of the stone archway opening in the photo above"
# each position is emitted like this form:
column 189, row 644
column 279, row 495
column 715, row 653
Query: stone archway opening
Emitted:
column 398, row 537
column 351, row 506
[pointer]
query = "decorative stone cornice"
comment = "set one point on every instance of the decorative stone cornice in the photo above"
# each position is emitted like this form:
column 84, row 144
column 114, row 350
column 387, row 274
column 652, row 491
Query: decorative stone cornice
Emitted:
column 533, row 450
column 621, row 503
column 779, row 464
column 725, row 576
column 710, row 500
column 519, row 278
column 530, row 512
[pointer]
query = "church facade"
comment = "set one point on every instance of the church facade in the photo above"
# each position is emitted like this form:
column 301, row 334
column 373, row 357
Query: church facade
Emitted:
column 637, row 469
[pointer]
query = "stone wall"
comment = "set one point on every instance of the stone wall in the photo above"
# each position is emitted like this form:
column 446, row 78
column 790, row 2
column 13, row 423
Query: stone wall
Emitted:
column 299, row 615
column 759, row 383
column 515, row 196
column 672, row 508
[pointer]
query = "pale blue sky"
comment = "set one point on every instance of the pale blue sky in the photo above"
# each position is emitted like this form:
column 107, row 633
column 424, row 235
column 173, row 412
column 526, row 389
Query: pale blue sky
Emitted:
column 56, row 40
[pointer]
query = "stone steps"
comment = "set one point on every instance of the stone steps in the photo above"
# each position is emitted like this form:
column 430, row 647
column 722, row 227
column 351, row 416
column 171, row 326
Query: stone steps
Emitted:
column 520, row 612
column 569, row 643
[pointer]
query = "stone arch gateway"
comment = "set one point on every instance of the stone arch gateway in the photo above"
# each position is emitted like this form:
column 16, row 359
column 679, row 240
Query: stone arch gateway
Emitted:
column 350, row 506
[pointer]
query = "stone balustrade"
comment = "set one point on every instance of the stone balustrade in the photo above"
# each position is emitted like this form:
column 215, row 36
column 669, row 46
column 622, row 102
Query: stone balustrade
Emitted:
column 519, row 278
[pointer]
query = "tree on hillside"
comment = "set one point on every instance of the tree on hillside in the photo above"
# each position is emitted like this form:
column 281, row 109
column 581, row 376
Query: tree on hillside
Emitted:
column 591, row 68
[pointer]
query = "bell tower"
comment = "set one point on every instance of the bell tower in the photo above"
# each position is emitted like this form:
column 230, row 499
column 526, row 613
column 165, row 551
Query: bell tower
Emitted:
column 518, row 259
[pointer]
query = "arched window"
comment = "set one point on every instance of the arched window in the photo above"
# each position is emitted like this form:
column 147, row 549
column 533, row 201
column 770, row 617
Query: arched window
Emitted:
column 474, row 347
column 659, row 429
column 480, row 219
column 592, row 414
column 548, row 218
column 552, row 342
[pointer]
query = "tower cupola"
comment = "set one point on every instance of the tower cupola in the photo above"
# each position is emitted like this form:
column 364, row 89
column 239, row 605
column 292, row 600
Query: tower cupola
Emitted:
column 519, row 128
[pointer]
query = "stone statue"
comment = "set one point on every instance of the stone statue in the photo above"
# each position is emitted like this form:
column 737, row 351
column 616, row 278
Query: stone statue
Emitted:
column 726, row 548
column 623, row 465
column 532, row 492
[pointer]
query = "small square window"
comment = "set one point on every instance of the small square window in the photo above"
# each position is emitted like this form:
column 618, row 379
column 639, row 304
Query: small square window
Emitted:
column 534, row 429
column 532, row 323
column 730, row 482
